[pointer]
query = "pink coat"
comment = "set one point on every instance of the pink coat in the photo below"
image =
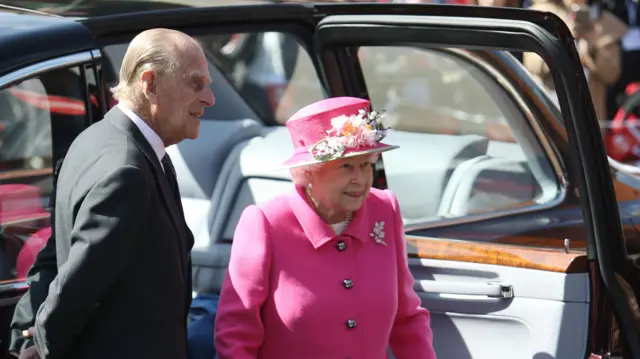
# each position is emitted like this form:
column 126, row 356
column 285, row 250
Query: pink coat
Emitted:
column 296, row 290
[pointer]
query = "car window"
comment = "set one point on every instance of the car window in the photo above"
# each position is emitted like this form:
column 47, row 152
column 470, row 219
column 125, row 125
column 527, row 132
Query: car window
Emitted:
column 39, row 117
column 266, row 76
column 465, row 145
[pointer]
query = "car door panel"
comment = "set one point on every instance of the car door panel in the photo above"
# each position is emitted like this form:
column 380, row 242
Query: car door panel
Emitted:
column 540, row 303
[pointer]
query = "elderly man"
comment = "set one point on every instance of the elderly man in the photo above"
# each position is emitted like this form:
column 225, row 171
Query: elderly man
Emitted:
column 123, row 286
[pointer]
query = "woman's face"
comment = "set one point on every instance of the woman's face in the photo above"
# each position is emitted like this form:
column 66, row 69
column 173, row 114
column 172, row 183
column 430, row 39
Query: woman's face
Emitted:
column 343, row 185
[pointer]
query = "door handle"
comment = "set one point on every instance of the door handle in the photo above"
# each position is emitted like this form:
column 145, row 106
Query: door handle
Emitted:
column 489, row 289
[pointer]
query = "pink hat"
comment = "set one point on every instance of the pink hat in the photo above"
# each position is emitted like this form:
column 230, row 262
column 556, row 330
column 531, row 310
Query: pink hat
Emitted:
column 335, row 128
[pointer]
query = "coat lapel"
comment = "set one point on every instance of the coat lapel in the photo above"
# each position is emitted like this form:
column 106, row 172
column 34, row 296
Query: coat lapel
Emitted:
column 119, row 120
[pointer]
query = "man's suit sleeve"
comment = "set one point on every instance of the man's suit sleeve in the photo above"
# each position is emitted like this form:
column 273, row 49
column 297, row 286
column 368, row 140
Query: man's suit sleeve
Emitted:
column 106, row 231
column 39, row 277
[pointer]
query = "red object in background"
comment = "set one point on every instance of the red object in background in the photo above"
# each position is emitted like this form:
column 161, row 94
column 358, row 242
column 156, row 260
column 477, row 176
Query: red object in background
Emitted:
column 30, row 250
column 20, row 201
column 622, row 138
column 55, row 104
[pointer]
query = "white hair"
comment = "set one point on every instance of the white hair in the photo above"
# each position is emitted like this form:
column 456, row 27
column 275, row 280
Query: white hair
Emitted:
column 301, row 176
column 156, row 50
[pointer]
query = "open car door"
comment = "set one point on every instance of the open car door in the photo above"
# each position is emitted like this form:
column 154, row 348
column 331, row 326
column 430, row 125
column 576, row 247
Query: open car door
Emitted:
column 530, row 298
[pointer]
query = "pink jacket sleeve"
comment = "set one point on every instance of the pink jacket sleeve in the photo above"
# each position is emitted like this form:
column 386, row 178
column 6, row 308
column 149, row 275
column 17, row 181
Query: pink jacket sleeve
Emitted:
column 238, row 331
column 411, row 335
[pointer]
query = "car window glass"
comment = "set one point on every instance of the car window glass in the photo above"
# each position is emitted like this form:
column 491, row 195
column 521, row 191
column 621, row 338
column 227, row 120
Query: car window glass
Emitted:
column 267, row 76
column 39, row 117
column 465, row 146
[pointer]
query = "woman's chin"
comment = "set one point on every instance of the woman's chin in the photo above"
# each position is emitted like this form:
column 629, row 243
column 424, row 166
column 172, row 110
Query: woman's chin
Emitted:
column 352, row 205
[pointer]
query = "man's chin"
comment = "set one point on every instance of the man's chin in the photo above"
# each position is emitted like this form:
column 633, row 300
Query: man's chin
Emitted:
column 194, row 132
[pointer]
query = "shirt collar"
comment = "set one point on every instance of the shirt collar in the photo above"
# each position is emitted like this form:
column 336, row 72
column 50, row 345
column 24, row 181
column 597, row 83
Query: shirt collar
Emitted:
column 152, row 137
column 317, row 230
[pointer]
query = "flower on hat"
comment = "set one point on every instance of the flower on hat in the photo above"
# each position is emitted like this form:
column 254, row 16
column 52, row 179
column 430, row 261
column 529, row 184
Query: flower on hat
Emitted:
column 350, row 132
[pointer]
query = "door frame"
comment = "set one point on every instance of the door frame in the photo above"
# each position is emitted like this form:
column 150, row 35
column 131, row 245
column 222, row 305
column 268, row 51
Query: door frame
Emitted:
column 548, row 36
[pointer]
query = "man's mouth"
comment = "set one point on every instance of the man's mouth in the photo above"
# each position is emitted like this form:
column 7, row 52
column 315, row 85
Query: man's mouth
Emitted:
column 196, row 115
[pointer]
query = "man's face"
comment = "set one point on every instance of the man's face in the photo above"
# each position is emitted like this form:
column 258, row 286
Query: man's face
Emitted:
column 182, row 97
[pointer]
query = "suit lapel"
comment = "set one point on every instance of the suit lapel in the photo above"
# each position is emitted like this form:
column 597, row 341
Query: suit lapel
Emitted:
column 119, row 120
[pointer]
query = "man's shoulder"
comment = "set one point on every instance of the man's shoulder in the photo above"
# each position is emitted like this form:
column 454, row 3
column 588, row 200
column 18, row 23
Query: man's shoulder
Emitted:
column 99, row 150
column 102, row 139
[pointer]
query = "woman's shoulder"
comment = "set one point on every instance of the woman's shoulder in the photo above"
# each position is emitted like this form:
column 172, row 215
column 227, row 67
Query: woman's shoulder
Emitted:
column 275, row 208
column 386, row 197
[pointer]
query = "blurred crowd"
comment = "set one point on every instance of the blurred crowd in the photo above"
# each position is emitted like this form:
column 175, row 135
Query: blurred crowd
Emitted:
column 607, row 36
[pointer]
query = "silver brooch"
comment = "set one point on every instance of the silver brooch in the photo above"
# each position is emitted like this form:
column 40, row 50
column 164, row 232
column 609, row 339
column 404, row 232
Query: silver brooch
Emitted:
column 378, row 233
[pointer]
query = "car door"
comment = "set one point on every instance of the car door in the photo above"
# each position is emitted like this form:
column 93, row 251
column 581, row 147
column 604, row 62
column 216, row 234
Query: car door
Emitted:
column 43, row 106
column 489, row 186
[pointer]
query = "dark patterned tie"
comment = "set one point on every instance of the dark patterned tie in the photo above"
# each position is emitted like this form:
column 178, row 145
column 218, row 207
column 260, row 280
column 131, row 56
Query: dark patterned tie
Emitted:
column 170, row 173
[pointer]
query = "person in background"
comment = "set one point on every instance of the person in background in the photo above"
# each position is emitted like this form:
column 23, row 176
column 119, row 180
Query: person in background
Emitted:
column 598, row 33
column 322, row 272
column 628, row 12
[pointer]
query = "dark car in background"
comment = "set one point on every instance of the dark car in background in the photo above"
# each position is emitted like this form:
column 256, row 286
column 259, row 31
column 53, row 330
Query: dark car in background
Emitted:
column 517, row 224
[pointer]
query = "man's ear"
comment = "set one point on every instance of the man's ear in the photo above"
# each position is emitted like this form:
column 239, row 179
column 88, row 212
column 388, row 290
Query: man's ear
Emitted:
column 148, row 81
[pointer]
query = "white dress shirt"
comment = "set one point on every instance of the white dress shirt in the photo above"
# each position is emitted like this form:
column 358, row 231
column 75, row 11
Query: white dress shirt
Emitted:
column 148, row 133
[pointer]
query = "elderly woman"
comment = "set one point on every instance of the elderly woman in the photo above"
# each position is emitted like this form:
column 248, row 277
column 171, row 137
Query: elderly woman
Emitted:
column 322, row 272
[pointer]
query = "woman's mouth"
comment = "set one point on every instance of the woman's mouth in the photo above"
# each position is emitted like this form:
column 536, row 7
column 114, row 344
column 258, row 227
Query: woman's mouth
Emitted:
column 354, row 195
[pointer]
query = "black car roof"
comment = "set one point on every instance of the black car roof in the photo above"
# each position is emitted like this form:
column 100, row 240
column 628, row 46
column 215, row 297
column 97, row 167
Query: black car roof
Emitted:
column 27, row 37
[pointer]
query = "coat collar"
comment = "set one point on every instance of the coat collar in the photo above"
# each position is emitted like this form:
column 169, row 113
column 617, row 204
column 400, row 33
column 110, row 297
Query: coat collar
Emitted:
column 119, row 119
column 318, row 232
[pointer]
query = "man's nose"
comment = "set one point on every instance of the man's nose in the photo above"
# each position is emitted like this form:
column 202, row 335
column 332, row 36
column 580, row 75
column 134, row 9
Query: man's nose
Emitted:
column 208, row 99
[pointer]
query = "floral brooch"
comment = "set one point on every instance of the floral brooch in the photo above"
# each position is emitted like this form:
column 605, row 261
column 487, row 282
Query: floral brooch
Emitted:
column 378, row 233
column 363, row 129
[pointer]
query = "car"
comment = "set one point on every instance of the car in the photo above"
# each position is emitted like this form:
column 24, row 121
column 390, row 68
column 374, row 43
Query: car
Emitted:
column 522, row 234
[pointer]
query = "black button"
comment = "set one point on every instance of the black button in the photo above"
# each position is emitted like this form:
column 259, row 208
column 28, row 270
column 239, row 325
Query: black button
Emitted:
column 347, row 283
column 351, row 323
column 341, row 246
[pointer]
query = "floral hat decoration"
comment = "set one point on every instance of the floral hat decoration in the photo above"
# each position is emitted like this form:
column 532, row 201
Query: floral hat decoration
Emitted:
column 335, row 128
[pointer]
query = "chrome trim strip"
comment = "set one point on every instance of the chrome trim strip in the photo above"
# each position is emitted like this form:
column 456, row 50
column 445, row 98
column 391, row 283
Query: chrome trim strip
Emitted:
column 96, row 54
column 44, row 66
column 547, row 147
column 13, row 286
column 25, row 220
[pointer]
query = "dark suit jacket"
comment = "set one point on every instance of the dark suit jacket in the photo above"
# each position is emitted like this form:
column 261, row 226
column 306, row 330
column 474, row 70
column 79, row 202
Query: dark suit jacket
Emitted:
column 123, row 286
column 40, row 275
